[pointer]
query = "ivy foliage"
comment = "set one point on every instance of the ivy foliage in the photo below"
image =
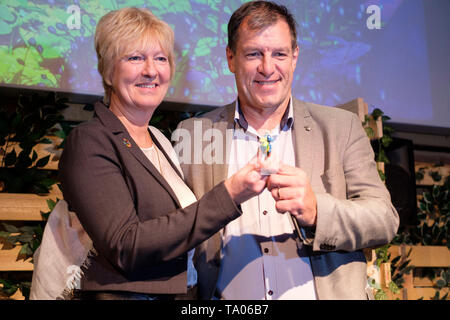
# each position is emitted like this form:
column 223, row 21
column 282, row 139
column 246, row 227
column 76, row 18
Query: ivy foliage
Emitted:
column 21, row 129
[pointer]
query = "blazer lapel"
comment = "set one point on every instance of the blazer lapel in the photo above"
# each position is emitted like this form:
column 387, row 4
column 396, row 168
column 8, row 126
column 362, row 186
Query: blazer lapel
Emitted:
column 146, row 163
column 125, row 141
column 303, row 132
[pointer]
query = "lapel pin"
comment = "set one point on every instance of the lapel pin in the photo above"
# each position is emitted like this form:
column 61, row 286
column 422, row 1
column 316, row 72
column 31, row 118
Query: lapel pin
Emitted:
column 126, row 142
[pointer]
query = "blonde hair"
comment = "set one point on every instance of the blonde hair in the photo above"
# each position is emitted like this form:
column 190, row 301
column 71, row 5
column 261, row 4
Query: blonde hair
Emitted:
column 124, row 31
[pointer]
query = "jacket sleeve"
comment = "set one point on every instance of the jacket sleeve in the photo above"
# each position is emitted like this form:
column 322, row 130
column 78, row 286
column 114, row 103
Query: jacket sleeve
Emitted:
column 366, row 216
column 94, row 183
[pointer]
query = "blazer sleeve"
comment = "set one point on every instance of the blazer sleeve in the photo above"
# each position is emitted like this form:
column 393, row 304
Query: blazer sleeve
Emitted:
column 94, row 183
column 366, row 216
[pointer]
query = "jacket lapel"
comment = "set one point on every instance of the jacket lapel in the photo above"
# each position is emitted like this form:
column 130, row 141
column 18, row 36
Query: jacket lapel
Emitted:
column 125, row 141
column 303, row 131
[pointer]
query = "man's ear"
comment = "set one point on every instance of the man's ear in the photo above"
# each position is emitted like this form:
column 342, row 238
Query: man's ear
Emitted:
column 230, row 59
column 295, row 57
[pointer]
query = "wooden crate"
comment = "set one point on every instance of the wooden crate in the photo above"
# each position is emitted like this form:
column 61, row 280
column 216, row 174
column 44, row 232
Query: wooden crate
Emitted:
column 25, row 206
column 421, row 257
column 21, row 208
column 359, row 107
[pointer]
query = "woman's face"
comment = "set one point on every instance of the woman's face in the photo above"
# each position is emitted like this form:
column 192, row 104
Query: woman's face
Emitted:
column 141, row 79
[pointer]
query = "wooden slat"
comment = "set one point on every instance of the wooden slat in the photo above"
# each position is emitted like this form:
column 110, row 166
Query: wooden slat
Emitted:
column 425, row 256
column 24, row 207
column 360, row 107
column 423, row 282
column 427, row 180
column 9, row 260
column 422, row 257
column 377, row 127
column 357, row 106
column 425, row 293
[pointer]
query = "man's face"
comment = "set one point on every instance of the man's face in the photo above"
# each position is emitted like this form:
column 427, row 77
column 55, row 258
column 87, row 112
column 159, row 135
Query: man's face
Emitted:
column 263, row 66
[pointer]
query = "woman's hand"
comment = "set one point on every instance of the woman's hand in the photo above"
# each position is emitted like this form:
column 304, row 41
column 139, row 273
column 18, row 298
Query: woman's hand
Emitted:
column 246, row 183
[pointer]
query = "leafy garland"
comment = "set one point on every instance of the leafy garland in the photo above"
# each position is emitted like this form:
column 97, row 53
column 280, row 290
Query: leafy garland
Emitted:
column 433, row 221
column 22, row 127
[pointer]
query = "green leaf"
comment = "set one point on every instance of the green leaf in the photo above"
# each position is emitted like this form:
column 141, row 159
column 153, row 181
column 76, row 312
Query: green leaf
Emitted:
column 369, row 132
column 422, row 216
column 43, row 161
column 419, row 176
column 376, row 113
column 436, row 192
column 45, row 141
column 10, row 228
column 435, row 175
column 4, row 234
column 393, row 287
column 60, row 133
column 24, row 249
column 24, row 161
column 427, row 239
column 441, row 283
column 380, row 295
column 16, row 120
column 386, row 141
column 156, row 119
column 34, row 156
column 8, row 288
column 10, row 158
column 427, row 197
column 446, row 276
column 51, row 204
column 382, row 175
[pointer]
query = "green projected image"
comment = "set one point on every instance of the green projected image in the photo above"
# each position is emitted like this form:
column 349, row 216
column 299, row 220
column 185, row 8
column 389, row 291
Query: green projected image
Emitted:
column 347, row 50
column 50, row 44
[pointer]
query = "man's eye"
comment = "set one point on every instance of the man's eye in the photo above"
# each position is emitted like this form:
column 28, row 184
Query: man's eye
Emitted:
column 252, row 54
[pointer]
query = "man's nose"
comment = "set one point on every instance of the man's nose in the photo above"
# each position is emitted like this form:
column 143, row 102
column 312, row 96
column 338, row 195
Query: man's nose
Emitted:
column 267, row 66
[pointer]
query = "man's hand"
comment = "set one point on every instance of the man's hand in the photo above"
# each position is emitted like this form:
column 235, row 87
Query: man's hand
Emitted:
column 246, row 183
column 292, row 192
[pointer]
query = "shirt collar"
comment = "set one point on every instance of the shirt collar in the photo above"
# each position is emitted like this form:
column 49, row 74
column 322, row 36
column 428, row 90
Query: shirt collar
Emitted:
column 285, row 124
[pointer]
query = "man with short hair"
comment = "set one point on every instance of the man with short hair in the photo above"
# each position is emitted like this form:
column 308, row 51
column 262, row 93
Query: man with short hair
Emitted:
column 327, row 178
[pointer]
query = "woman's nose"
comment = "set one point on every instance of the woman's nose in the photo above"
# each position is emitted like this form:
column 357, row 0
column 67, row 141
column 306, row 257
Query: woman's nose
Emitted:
column 149, row 68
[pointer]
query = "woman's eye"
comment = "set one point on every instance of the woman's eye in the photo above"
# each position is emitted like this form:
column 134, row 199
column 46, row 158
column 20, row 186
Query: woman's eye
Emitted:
column 135, row 58
column 161, row 59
